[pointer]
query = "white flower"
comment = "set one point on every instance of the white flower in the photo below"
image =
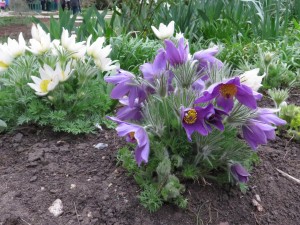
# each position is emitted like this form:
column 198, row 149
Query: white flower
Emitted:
column 55, row 47
column 164, row 31
column 40, row 42
column 63, row 75
column 179, row 35
column 95, row 50
column 251, row 79
column 5, row 58
column 46, row 83
column 166, row 5
column 105, row 64
column 69, row 43
column 16, row 48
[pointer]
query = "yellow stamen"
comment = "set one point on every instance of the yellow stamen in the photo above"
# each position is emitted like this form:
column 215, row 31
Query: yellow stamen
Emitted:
column 228, row 90
column 3, row 64
column 44, row 85
column 190, row 116
column 131, row 135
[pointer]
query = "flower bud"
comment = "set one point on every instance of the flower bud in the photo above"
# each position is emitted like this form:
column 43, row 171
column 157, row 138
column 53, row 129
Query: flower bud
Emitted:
column 268, row 58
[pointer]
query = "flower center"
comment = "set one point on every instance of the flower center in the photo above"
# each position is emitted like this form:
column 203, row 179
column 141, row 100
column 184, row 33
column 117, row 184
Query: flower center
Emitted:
column 228, row 90
column 3, row 64
column 131, row 136
column 44, row 85
column 190, row 116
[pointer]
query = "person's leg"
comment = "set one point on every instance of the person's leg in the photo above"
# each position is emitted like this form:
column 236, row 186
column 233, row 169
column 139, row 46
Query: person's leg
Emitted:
column 75, row 10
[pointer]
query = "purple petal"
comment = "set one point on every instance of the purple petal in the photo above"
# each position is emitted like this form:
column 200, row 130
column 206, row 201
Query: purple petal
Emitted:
column 245, row 96
column 225, row 103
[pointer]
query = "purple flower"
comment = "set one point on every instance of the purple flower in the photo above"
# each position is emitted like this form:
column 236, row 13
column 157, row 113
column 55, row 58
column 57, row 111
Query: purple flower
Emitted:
column 126, row 85
column 152, row 70
column 129, row 113
column 200, row 119
column 239, row 173
column 225, row 92
column 259, row 129
column 134, row 134
column 214, row 117
column 176, row 56
column 206, row 58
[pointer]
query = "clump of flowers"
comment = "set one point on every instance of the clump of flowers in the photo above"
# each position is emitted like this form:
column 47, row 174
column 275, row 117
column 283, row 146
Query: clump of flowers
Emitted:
column 55, row 82
column 184, row 113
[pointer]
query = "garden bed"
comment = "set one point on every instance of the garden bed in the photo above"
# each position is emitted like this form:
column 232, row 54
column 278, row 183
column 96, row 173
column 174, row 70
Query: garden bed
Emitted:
column 38, row 166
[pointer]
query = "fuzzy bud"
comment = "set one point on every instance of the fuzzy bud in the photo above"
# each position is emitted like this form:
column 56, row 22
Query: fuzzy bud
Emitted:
column 268, row 58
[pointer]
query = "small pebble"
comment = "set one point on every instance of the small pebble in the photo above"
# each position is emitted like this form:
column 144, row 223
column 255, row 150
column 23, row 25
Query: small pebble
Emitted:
column 56, row 208
column 101, row 146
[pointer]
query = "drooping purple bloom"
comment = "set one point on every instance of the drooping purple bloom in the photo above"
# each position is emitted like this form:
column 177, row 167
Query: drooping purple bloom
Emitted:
column 214, row 117
column 176, row 56
column 134, row 134
column 126, row 85
column 239, row 173
column 259, row 130
column 153, row 70
column 200, row 119
column 207, row 59
column 128, row 112
column 225, row 92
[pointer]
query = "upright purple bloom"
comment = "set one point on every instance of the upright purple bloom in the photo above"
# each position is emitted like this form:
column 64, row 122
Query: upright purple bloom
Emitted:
column 259, row 129
column 176, row 56
column 239, row 173
column 126, row 85
column 150, row 71
column 206, row 58
column 128, row 112
column 134, row 134
column 225, row 92
column 200, row 119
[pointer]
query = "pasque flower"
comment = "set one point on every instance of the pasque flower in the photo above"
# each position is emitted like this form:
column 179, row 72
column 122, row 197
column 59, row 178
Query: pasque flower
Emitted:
column 63, row 74
column 5, row 58
column 69, row 43
column 16, row 48
column 46, row 83
column 164, row 32
column 126, row 85
column 251, row 79
column 200, row 119
column 128, row 112
column 96, row 49
column 134, row 134
column 206, row 58
column 151, row 70
column 239, row 172
column 226, row 91
column 105, row 64
column 259, row 129
column 40, row 42
column 177, row 56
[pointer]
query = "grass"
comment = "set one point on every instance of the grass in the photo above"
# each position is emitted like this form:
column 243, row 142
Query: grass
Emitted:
column 15, row 20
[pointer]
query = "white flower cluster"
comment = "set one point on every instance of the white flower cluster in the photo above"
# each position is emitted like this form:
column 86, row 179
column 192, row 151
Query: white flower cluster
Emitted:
column 41, row 45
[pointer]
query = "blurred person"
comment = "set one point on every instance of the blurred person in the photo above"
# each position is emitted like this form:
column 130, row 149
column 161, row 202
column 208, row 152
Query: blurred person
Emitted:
column 68, row 4
column 55, row 4
column 75, row 5
column 43, row 3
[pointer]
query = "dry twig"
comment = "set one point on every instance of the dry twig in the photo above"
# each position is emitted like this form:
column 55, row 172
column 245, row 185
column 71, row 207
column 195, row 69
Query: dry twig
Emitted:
column 288, row 176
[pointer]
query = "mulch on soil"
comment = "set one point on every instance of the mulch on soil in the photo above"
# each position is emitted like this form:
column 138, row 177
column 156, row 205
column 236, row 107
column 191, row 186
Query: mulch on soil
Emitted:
column 38, row 166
